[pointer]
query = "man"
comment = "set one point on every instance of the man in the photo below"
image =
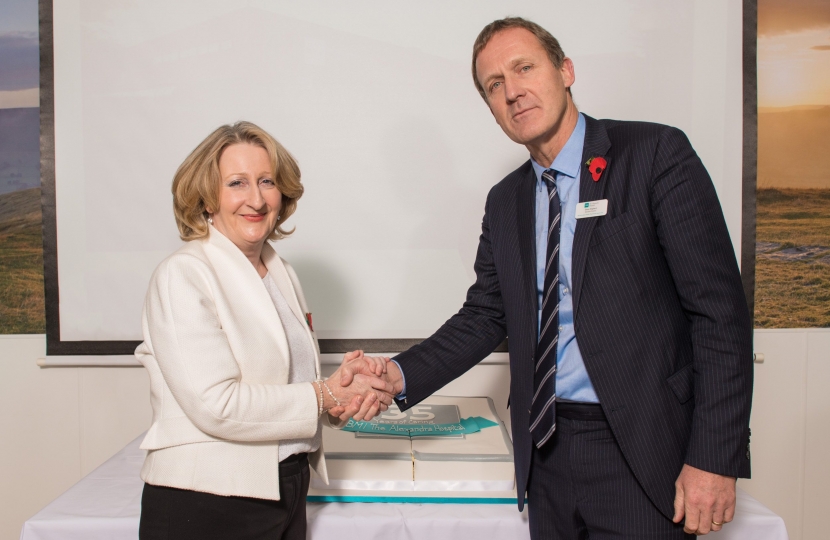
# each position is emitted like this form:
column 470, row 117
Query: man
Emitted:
column 606, row 260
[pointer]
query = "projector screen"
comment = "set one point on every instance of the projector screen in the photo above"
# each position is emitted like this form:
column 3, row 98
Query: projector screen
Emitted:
column 376, row 102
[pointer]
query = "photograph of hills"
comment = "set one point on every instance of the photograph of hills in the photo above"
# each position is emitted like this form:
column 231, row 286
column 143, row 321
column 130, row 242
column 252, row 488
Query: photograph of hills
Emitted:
column 21, row 243
column 792, row 271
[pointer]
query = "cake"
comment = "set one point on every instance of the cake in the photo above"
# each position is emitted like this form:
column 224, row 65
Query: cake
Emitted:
column 374, row 461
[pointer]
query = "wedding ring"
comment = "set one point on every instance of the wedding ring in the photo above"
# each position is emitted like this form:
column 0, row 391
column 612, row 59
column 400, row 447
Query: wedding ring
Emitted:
column 716, row 523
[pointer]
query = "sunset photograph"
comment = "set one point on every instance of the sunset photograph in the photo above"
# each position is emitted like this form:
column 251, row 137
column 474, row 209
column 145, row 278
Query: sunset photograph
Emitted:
column 793, row 199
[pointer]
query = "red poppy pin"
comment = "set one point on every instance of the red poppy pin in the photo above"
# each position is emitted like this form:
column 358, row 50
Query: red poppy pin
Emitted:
column 596, row 165
column 308, row 320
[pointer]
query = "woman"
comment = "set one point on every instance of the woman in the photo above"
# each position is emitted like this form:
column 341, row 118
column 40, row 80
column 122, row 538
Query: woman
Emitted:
column 236, row 391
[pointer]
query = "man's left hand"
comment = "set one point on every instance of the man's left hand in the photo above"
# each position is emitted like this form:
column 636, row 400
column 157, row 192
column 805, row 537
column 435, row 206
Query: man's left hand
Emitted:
column 706, row 500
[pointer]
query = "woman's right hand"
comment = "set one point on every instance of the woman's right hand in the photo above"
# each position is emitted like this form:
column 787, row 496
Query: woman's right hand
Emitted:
column 366, row 395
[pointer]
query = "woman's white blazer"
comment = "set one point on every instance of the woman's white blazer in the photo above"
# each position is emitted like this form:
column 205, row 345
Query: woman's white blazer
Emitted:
column 218, row 361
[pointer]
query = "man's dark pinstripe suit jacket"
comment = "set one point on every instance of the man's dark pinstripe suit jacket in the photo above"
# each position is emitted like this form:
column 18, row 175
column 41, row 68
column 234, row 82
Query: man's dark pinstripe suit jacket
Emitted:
column 659, row 311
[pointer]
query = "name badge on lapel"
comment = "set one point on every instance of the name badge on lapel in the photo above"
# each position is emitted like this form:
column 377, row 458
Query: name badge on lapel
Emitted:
column 591, row 209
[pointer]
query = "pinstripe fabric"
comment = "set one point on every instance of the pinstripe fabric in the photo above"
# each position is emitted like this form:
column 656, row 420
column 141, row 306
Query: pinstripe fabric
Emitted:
column 581, row 487
column 659, row 311
column 543, row 403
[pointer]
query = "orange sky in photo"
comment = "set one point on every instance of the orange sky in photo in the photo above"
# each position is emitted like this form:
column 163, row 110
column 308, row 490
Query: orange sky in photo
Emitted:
column 794, row 68
column 793, row 53
column 793, row 93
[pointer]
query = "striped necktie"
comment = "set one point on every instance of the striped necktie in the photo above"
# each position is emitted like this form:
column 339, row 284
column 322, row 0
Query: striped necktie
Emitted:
column 543, row 406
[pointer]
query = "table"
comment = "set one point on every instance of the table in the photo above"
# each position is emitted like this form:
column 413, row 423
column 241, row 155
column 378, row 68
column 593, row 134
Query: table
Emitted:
column 105, row 505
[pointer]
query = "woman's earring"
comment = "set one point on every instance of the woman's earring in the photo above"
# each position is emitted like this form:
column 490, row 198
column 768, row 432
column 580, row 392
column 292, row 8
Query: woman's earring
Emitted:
column 278, row 218
column 210, row 220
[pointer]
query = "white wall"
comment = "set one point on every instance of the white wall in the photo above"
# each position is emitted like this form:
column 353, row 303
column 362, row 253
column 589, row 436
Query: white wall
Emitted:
column 63, row 422
column 59, row 424
column 790, row 420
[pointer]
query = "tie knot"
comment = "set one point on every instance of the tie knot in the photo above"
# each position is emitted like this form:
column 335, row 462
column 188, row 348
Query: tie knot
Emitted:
column 549, row 176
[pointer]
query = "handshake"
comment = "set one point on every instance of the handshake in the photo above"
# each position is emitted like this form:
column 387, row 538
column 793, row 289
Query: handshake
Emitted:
column 361, row 387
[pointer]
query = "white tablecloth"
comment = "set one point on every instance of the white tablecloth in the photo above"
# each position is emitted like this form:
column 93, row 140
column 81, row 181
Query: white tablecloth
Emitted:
column 105, row 505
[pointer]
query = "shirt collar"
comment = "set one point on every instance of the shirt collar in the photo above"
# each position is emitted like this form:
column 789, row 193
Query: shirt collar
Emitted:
column 569, row 159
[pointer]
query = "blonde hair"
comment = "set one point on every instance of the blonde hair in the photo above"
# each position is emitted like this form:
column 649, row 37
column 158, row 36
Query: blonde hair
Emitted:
column 196, row 185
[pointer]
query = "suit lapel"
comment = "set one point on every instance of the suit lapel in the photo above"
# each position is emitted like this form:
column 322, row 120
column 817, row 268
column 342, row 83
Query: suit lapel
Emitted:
column 526, row 217
column 246, row 294
column 596, row 144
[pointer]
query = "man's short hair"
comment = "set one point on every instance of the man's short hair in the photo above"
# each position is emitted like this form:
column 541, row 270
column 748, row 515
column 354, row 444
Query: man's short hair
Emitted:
column 546, row 40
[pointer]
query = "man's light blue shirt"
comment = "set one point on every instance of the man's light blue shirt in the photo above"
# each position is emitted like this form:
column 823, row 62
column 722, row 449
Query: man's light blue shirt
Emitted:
column 572, row 381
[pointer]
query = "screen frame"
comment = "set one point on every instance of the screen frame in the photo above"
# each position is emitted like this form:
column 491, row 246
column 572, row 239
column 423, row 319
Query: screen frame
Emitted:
column 55, row 346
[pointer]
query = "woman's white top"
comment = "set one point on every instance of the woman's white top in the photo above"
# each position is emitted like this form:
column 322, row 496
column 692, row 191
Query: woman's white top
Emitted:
column 219, row 360
column 300, row 363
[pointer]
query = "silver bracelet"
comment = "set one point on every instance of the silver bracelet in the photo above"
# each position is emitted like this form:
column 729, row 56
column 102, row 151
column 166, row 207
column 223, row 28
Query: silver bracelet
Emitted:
column 337, row 401
column 320, row 388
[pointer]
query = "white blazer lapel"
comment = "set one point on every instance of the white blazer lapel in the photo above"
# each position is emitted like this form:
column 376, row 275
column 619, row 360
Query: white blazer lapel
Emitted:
column 247, row 295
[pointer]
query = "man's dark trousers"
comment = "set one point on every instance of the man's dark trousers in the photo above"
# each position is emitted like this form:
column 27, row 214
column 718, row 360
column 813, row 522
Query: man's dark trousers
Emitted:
column 580, row 481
